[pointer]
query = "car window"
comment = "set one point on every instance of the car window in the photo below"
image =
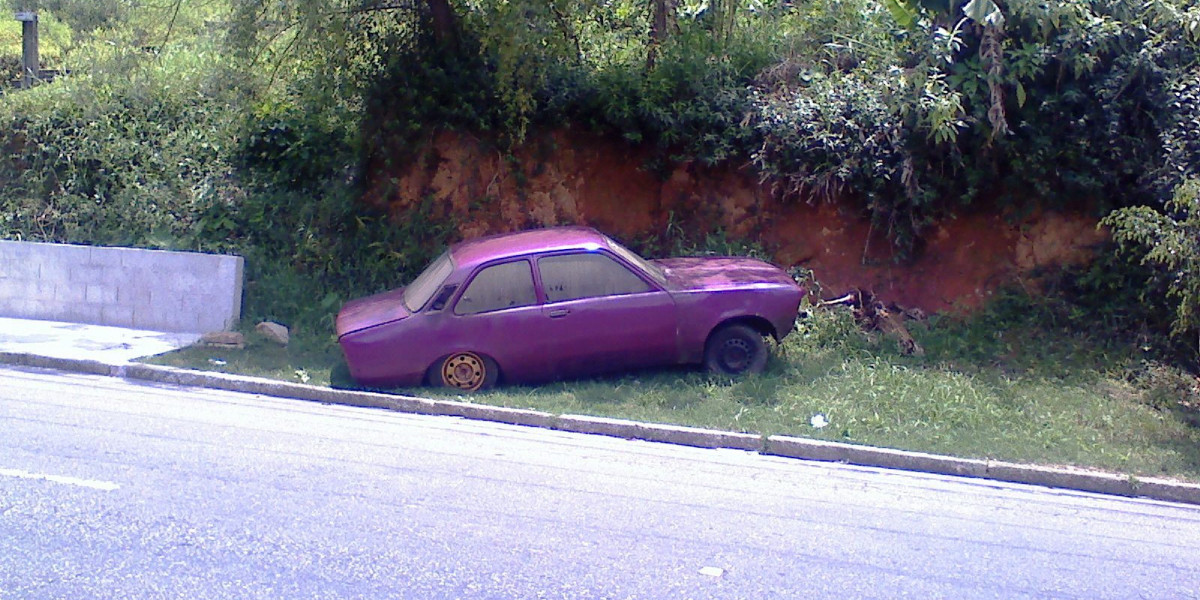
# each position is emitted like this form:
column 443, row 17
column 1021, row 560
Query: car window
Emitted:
column 587, row 275
column 507, row 285
column 422, row 288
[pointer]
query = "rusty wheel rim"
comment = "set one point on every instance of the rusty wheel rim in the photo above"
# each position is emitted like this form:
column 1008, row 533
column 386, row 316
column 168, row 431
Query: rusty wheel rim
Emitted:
column 465, row 371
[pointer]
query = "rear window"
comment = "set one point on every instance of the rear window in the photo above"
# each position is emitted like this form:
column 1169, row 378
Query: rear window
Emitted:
column 648, row 267
column 591, row 275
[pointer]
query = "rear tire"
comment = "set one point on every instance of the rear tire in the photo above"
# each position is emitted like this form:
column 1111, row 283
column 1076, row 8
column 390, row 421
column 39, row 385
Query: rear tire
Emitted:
column 734, row 350
column 465, row 371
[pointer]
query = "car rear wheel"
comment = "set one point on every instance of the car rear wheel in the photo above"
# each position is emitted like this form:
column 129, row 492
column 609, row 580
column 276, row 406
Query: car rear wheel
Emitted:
column 735, row 350
column 467, row 371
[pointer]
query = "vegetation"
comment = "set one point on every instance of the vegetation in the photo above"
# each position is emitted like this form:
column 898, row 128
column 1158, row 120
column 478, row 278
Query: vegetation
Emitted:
column 192, row 124
column 244, row 126
column 1172, row 243
column 1170, row 238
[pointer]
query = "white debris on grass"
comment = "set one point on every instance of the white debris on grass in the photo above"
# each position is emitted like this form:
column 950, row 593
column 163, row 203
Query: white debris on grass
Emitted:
column 818, row 421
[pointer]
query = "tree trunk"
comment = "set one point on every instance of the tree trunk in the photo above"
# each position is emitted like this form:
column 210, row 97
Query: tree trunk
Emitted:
column 662, row 25
column 445, row 22
column 724, row 19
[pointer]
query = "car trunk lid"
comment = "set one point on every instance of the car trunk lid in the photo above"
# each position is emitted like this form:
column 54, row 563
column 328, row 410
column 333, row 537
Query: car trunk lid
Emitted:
column 712, row 273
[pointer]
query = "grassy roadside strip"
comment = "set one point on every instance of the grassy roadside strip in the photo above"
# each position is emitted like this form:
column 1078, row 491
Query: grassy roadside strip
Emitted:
column 994, row 387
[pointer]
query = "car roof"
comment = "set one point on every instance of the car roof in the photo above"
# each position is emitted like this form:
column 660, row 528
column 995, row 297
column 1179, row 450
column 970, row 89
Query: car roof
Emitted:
column 472, row 253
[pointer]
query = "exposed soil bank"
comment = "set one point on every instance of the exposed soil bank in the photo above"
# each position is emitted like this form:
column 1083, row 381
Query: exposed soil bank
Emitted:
column 571, row 178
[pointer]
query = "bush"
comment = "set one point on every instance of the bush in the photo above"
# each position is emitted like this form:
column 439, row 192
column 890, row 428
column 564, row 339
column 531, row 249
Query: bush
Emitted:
column 108, row 159
column 1170, row 242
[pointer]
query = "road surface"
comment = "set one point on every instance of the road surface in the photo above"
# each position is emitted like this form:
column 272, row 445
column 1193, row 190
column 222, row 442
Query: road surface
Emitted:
column 118, row 489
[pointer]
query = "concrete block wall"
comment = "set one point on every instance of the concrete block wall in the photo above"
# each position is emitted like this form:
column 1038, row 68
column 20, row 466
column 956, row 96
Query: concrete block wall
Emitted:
column 156, row 290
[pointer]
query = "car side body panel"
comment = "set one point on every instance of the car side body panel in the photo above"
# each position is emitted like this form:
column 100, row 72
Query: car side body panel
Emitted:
column 597, row 335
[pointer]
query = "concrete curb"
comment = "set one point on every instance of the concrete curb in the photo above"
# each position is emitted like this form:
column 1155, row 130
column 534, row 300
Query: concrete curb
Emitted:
column 93, row 367
column 1070, row 479
column 776, row 445
column 654, row 432
column 869, row 456
column 299, row 391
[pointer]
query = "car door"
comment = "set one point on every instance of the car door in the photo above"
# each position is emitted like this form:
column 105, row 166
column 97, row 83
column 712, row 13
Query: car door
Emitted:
column 498, row 314
column 602, row 316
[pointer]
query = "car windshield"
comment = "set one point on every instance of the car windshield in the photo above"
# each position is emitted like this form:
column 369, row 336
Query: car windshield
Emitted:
column 641, row 263
column 427, row 283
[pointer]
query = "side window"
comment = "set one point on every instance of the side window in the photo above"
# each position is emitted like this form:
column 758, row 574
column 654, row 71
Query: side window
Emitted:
column 588, row 275
column 506, row 285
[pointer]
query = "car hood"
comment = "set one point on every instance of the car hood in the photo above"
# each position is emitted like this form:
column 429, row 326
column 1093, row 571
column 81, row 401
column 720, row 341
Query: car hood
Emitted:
column 371, row 311
column 717, row 273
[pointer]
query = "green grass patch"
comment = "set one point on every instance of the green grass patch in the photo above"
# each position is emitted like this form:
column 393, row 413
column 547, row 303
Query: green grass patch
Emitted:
column 1004, row 385
column 306, row 359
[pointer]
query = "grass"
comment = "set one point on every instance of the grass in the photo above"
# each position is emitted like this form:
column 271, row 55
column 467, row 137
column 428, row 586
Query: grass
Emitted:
column 305, row 360
column 1008, row 384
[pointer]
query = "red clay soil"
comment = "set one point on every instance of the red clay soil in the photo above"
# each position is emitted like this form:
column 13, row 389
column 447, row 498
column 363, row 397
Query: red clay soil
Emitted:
column 571, row 178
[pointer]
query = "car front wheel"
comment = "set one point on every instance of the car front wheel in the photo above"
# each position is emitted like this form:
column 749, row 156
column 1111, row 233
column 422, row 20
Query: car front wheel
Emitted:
column 466, row 371
column 735, row 350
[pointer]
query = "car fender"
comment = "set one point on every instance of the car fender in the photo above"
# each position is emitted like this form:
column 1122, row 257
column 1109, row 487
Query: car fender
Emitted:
column 701, row 313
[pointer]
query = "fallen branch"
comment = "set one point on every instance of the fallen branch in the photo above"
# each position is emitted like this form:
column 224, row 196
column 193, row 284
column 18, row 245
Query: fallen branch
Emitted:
column 872, row 315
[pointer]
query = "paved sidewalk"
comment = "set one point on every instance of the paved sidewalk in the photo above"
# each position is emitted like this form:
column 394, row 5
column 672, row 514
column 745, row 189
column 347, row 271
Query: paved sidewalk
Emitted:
column 108, row 345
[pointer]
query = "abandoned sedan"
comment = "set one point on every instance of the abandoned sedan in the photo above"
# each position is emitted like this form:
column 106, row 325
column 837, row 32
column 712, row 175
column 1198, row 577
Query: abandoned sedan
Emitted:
column 564, row 302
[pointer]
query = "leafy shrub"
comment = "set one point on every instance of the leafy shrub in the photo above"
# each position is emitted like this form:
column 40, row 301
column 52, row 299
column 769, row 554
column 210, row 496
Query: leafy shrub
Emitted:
column 294, row 147
column 113, row 159
column 423, row 87
column 676, row 239
column 10, row 71
column 1169, row 241
column 308, row 254
column 691, row 105
column 837, row 137
column 1114, row 293
column 1180, row 132
column 685, row 108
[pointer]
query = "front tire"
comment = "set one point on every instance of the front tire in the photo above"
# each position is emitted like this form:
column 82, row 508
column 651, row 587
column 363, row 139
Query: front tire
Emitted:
column 735, row 350
column 466, row 371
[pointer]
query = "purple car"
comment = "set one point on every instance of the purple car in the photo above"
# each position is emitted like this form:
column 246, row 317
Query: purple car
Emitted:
column 564, row 302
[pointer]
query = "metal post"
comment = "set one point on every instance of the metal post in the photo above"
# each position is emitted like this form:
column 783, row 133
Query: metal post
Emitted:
column 30, row 63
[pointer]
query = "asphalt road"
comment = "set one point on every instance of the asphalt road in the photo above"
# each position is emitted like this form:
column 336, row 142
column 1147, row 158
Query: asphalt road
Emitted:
column 115, row 489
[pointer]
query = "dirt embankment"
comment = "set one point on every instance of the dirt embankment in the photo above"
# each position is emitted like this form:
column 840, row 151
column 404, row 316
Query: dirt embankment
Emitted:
column 570, row 178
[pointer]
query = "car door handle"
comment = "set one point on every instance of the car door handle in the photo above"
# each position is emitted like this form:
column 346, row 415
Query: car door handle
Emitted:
column 558, row 312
